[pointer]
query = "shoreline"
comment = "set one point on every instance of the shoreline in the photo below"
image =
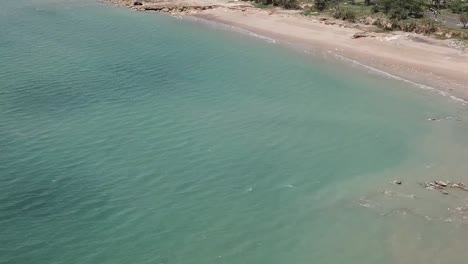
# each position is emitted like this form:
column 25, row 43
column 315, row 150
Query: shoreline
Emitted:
column 428, row 62
column 414, row 58
column 447, row 91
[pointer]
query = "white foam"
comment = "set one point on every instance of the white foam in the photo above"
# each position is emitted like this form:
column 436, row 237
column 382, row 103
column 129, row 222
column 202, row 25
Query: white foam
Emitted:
column 386, row 74
column 178, row 17
column 269, row 40
column 234, row 28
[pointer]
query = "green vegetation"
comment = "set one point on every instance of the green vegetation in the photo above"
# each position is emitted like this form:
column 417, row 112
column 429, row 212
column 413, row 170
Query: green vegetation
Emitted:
column 286, row 4
column 458, row 6
column 421, row 26
column 261, row 5
column 401, row 9
column 344, row 14
column 339, row 9
column 320, row 5
column 419, row 16
column 464, row 19
column 361, row 10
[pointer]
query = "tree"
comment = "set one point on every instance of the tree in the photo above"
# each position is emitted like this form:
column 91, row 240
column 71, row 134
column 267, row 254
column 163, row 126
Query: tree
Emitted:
column 464, row 19
column 320, row 5
column 334, row 4
column 402, row 9
column 458, row 6
column 287, row 4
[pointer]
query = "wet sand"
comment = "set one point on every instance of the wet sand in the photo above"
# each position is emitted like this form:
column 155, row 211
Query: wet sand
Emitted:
column 420, row 59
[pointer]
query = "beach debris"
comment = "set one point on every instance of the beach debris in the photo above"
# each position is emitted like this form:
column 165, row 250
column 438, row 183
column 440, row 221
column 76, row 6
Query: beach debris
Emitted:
column 459, row 210
column 435, row 185
column 442, row 186
column 362, row 35
column 459, row 185
column 137, row 3
column 398, row 182
column 392, row 38
column 174, row 9
column 441, row 183
column 444, row 118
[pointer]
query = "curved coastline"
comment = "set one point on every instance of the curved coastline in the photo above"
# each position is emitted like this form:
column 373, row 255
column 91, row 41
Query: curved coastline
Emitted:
column 446, row 91
column 416, row 59
column 430, row 63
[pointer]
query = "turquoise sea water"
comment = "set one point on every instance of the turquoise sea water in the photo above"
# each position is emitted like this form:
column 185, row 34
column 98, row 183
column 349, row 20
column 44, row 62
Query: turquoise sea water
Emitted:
column 131, row 137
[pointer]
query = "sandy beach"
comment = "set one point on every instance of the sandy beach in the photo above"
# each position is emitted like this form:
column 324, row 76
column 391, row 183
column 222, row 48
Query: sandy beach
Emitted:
column 421, row 59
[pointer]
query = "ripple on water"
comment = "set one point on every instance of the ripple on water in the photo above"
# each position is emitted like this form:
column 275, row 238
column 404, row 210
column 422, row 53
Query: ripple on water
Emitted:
column 123, row 142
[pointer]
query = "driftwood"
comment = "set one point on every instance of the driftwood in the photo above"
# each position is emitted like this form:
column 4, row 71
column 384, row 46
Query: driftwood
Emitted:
column 363, row 34
column 441, row 185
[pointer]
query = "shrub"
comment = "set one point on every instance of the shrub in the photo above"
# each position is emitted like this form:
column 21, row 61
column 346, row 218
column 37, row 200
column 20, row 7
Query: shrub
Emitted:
column 384, row 23
column 375, row 9
column 407, row 25
column 345, row 14
column 426, row 26
column 401, row 9
column 287, row 4
column 464, row 19
column 320, row 5
column 458, row 6
column 398, row 13
column 423, row 26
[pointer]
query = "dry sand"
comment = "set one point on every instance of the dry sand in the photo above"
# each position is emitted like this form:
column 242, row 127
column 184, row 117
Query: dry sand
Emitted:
column 420, row 59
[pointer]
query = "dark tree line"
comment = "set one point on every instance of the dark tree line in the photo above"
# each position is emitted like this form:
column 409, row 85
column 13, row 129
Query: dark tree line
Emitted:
column 287, row 4
column 401, row 9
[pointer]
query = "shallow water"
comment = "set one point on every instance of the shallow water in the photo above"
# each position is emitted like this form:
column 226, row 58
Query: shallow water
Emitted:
column 133, row 137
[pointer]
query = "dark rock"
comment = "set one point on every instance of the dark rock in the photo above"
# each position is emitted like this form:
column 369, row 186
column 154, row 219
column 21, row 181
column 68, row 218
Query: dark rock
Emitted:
column 137, row 3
